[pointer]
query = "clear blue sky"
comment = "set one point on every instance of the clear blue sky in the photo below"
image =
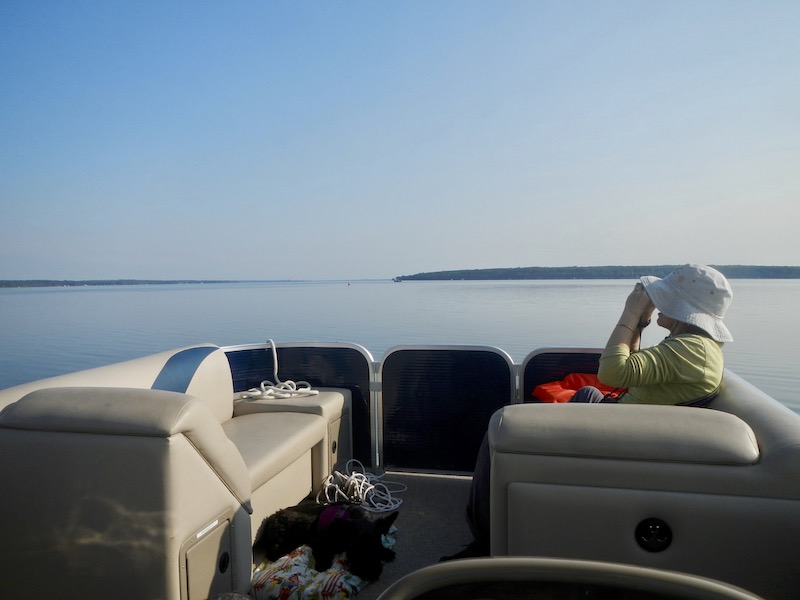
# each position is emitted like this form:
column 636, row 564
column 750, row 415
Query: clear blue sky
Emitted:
column 271, row 139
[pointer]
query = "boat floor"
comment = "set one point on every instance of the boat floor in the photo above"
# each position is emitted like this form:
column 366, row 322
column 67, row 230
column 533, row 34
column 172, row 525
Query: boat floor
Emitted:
column 431, row 524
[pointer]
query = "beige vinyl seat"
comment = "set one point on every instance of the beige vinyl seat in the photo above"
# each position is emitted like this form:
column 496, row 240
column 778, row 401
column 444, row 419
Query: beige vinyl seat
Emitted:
column 138, row 480
column 712, row 492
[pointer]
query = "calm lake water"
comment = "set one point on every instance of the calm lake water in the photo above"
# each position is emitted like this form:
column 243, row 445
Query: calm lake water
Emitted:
column 49, row 331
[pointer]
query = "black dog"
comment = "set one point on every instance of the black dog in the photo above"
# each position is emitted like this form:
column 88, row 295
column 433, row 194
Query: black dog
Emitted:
column 328, row 530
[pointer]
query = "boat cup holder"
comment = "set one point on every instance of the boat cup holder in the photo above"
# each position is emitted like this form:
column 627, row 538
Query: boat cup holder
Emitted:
column 653, row 535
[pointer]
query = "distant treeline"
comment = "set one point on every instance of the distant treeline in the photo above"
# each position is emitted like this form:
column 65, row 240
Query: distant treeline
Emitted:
column 24, row 283
column 609, row 272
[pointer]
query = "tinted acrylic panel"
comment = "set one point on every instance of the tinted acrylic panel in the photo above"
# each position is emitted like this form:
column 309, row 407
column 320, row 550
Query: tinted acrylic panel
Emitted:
column 437, row 404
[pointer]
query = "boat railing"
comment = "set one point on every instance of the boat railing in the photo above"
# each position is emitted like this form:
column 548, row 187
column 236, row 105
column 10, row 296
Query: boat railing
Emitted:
column 419, row 406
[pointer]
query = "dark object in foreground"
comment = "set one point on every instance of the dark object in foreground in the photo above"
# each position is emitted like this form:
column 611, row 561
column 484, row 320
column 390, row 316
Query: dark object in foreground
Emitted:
column 474, row 549
column 329, row 530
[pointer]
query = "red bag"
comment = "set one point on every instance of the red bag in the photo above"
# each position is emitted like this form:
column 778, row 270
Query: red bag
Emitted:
column 562, row 391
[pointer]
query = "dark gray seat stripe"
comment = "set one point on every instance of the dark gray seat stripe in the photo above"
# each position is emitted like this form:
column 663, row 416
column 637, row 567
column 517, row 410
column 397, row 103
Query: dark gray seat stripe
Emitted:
column 177, row 373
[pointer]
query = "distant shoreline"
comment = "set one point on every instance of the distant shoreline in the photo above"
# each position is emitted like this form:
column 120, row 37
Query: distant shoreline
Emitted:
column 29, row 283
column 50, row 283
column 501, row 274
column 607, row 272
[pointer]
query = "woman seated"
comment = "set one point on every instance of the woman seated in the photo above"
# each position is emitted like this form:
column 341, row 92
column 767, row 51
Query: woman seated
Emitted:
column 684, row 369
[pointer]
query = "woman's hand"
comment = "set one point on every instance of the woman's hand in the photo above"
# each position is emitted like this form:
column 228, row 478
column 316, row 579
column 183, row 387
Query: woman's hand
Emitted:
column 637, row 312
column 638, row 307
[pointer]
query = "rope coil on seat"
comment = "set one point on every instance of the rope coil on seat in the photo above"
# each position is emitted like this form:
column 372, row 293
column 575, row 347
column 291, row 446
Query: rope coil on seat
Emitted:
column 358, row 486
column 281, row 389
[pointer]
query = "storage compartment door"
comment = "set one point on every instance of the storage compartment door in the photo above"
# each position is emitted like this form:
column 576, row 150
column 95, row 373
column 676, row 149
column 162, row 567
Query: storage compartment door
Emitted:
column 207, row 562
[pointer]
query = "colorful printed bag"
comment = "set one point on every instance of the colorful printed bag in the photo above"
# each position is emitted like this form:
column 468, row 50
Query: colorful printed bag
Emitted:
column 293, row 577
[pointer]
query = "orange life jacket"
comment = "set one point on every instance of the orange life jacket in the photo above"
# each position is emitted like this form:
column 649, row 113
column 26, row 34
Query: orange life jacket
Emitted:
column 562, row 391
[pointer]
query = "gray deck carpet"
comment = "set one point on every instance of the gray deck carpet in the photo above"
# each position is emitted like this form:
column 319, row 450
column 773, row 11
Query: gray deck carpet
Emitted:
column 431, row 525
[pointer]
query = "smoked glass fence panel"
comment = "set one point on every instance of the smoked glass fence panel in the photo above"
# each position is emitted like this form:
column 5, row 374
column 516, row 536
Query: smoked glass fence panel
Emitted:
column 436, row 404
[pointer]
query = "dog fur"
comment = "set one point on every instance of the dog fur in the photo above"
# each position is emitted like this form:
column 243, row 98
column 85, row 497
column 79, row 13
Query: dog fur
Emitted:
column 329, row 530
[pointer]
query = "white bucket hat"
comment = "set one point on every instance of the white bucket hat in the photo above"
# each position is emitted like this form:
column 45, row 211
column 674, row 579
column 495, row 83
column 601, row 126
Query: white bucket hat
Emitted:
column 693, row 294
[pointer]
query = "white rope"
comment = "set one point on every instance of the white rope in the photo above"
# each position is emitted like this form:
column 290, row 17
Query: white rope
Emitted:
column 281, row 389
column 358, row 486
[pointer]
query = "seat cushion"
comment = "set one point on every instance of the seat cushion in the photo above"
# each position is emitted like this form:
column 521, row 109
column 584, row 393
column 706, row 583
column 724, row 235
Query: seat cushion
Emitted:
column 270, row 442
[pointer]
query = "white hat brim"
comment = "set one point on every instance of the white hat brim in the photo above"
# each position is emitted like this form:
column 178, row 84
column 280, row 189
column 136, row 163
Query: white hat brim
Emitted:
column 669, row 302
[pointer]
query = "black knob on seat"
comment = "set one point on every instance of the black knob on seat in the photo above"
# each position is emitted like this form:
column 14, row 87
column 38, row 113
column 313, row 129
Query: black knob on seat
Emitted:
column 653, row 535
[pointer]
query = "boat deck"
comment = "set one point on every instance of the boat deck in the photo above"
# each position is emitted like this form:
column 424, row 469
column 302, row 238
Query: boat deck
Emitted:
column 431, row 524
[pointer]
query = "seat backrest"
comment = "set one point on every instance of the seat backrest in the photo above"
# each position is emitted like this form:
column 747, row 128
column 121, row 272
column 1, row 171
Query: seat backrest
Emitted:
column 777, row 428
column 120, row 491
column 200, row 371
column 669, row 487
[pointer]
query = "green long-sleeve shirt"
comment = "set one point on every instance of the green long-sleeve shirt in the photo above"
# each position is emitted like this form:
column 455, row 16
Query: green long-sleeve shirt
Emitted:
column 677, row 370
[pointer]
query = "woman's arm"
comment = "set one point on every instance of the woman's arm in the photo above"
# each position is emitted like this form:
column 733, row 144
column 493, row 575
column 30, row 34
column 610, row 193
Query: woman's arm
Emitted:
column 635, row 316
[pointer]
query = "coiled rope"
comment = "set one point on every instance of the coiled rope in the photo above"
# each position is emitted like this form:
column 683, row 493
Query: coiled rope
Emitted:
column 356, row 485
column 281, row 389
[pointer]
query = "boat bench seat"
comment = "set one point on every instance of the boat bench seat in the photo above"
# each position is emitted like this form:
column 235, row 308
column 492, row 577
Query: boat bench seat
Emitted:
column 634, row 432
column 713, row 492
column 145, row 467
column 270, row 442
